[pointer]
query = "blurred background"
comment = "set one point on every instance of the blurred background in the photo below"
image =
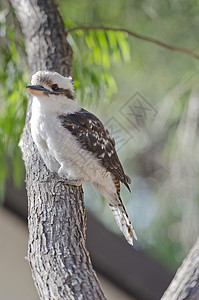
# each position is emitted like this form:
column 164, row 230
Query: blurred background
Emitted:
column 147, row 96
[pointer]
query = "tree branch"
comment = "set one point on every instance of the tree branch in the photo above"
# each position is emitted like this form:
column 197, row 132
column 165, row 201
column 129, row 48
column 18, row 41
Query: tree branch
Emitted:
column 137, row 36
column 60, row 262
column 185, row 285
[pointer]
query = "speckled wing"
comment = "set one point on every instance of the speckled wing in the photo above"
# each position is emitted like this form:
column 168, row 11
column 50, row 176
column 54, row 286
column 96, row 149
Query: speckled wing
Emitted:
column 92, row 135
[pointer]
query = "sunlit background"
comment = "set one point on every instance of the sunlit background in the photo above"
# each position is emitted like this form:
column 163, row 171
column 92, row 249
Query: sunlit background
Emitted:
column 146, row 95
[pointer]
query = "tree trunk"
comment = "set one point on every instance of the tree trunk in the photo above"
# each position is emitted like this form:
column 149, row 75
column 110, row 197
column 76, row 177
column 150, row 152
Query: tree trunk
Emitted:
column 60, row 263
column 185, row 285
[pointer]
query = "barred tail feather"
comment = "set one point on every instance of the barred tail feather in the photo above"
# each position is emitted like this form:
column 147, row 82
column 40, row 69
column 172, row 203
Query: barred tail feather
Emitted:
column 123, row 222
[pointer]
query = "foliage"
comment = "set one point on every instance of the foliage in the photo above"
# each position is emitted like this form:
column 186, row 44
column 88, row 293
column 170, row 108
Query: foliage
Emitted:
column 13, row 101
column 94, row 53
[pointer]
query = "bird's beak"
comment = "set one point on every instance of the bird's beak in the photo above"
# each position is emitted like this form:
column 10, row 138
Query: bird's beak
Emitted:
column 37, row 90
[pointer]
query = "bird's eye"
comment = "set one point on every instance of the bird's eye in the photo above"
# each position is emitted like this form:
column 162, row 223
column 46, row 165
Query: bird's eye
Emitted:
column 55, row 87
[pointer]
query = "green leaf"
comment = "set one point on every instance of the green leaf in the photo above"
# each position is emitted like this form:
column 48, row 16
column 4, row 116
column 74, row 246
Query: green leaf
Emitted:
column 94, row 54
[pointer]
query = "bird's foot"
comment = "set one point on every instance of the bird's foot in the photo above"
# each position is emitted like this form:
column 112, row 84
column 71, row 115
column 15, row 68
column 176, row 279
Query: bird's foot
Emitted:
column 72, row 181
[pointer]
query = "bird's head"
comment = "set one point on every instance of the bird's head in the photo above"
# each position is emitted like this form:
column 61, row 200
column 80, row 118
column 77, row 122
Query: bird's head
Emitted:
column 47, row 85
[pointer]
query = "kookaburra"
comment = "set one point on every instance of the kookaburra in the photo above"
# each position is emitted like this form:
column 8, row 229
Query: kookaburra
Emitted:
column 74, row 143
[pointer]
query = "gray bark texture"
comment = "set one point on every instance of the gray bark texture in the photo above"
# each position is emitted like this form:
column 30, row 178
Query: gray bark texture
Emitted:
column 185, row 285
column 60, row 263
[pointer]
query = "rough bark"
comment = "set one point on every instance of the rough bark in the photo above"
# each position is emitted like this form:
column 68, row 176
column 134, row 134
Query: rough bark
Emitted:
column 185, row 285
column 60, row 263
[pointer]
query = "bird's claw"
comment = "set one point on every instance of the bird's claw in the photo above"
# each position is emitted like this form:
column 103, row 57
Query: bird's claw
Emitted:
column 75, row 182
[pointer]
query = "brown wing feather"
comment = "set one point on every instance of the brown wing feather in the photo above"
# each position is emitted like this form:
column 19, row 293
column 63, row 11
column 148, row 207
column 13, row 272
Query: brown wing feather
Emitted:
column 92, row 135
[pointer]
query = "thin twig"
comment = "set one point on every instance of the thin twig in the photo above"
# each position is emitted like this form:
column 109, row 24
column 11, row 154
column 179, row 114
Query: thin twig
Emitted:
column 137, row 36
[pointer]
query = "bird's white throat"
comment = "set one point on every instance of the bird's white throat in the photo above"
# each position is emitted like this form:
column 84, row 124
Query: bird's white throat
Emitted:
column 58, row 105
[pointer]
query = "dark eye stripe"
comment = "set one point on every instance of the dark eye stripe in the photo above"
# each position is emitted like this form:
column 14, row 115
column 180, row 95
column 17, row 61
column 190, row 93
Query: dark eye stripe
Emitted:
column 68, row 94
column 57, row 91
